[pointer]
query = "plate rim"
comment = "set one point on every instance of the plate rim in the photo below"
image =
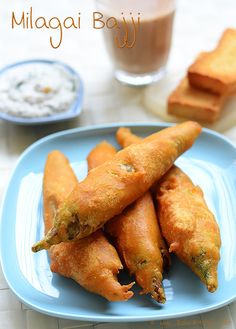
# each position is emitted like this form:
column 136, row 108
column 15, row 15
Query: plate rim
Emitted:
column 103, row 318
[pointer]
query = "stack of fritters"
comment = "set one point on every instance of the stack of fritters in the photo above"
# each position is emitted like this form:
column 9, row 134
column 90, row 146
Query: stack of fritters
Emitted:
column 113, row 209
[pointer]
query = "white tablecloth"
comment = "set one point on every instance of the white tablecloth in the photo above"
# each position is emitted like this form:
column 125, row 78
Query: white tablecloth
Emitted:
column 198, row 26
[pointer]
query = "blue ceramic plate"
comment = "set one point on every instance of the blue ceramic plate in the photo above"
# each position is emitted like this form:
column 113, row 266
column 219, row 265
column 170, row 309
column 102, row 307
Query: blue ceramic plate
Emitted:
column 72, row 112
column 211, row 163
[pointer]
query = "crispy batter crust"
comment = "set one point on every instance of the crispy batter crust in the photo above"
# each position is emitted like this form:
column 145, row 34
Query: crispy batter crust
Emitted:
column 59, row 181
column 189, row 226
column 100, row 153
column 111, row 187
column 92, row 262
column 135, row 234
column 125, row 138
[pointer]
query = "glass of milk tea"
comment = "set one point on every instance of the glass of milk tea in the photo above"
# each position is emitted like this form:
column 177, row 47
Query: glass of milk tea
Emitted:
column 138, row 37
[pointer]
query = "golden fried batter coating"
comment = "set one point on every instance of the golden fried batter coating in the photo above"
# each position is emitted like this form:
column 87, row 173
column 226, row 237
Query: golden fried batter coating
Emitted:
column 111, row 187
column 92, row 262
column 135, row 234
column 58, row 182
column 189, row 226
column 125, row 138
column 100, row 153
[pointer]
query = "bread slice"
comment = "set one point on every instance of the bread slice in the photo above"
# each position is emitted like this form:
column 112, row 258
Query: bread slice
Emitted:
column 216, row 70
column 194, row 104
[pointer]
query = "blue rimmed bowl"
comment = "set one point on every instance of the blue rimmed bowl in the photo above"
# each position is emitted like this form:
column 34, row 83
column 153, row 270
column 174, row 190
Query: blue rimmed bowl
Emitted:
column 73, row 111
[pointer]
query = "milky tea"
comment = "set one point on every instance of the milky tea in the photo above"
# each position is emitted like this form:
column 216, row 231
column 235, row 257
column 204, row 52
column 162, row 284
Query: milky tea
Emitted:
column 140, row 42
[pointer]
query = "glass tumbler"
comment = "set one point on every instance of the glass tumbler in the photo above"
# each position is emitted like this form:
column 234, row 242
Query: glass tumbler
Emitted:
column 138, row 37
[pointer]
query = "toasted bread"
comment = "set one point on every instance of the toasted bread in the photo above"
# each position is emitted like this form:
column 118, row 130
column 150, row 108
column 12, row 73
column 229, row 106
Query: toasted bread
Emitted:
column 190, row 103
column 216, row 70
